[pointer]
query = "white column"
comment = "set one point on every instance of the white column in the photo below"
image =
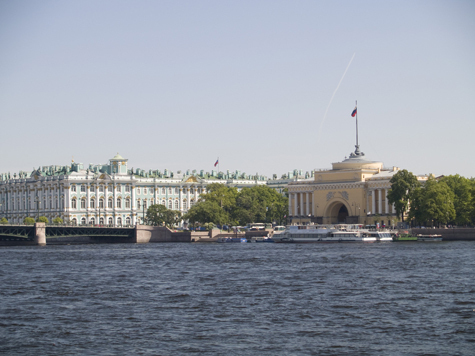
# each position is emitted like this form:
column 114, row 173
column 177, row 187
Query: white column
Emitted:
column 308, row 205
column 290, row 205
column 386, row 205
column 393, row 209
column 380, row 202
column 188, row 197
column 373, row 202
column 295, row 204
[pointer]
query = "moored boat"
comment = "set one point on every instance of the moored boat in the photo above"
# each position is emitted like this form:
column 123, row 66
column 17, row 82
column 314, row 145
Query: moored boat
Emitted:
column 330, row 233
column 426, row 238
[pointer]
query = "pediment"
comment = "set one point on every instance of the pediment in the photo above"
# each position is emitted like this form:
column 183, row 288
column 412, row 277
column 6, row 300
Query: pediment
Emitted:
column 103, row 176
column 191, row 179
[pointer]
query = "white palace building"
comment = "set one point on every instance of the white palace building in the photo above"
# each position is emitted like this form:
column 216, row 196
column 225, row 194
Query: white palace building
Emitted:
column 112, row 194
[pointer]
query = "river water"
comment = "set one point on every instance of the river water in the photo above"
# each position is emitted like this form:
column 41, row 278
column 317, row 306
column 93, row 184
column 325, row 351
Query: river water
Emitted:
column 238, row 299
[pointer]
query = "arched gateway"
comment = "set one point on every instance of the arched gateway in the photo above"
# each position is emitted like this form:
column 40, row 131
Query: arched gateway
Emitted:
column 337, row 213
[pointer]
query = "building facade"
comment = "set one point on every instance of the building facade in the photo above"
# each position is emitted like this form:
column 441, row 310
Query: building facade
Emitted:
column 113, row 194
column 354, row 191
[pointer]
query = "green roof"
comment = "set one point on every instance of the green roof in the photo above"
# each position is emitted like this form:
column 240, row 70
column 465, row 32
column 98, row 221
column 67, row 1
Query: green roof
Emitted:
column 118, row 157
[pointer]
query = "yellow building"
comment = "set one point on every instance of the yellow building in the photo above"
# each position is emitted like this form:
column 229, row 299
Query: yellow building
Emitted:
column 354, row 191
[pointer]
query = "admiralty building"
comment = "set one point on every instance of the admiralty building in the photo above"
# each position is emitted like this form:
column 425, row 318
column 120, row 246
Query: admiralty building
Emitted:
column 111, row 193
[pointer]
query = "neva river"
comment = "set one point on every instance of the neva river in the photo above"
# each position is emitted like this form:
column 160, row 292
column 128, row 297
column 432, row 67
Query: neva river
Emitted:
column 238, row 299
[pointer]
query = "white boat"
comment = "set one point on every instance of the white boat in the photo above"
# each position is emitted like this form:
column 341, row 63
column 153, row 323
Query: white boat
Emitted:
column 330, row 233
column 232, row 239
column 429, row 237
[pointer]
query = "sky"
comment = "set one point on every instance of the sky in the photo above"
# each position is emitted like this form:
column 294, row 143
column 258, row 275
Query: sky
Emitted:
column 266, row 86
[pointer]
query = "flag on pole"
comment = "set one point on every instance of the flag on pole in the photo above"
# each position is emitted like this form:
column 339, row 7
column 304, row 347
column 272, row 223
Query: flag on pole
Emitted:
column 216, row 163
column 353, row 114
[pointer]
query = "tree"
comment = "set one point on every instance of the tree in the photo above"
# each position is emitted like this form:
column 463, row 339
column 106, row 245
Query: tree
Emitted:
column 3, row 221
column 463, row 199
column 438, row 200
column 57, row 221
column 158, row 215
column 403, row 183
column 43, row 219
column 260, row 204
column 206, row 212
column 28, row 221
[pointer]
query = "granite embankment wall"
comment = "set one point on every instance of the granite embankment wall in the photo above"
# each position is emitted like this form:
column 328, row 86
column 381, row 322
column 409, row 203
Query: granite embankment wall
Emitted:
column 456, row 234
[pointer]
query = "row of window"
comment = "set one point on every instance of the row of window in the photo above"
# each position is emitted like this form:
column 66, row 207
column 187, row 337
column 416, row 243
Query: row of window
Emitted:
column 110, row 221
column 144, row 191
column 141, row 204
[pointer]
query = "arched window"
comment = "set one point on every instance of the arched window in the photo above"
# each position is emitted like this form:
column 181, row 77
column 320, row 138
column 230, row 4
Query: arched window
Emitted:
column 92, row 203
column 127, row 221
column 101, row 221
column 163, row 191
column 83, row 221
column 110, row 221
column 73, row 188
column 177, row 204
column 145, row 204
column 138, row 204
column 119, row 203
column 83, row 203
column 192, row 202
column 163, row 202
column 184, row 204
column 170, row 204
column 74, row 221
column 109, row 203
column 127, row 203
column 176, row 190
column 92, row 221
column 119, row 221
column 169, row 190
column 74, row 204
column 101, row 203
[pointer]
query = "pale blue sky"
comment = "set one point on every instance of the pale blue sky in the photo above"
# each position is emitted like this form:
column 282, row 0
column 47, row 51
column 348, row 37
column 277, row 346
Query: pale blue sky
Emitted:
column 175, row 84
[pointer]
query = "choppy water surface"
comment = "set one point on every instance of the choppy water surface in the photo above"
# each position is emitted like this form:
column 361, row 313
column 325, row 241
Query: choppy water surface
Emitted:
column 239, row 299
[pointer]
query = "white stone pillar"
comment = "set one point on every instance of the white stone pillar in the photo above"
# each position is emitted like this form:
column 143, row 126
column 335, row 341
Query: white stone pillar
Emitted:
column 307, row 212
column 295, row 204
column 380, row 202
column 188, row 197
column 290, row 205
column 373, row 202
column 386, row 204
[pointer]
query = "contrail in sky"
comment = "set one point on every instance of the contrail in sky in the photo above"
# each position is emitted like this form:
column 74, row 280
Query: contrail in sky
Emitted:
column 326, row 111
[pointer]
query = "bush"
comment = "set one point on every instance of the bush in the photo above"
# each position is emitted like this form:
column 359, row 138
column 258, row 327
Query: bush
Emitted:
column 57, row 221
column 3, row 221
column 28, row 221
column 43, row 219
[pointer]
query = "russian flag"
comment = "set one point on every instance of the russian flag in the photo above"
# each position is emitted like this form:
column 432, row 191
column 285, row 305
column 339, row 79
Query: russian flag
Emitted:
column 216, row 163
column 353, row 114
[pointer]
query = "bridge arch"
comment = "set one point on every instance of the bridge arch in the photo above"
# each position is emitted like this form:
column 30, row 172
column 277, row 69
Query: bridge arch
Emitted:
column 337, row 211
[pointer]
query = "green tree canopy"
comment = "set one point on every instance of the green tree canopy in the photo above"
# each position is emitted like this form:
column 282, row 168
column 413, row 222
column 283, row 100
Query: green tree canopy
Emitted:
column 403, row 184
column 438, row 200
column 57, row 221
column 28, row 221
column 222, row 195
column 4, row 221
column 206, row 212
column 463, row 199
column 43, row 219
column 158, row 215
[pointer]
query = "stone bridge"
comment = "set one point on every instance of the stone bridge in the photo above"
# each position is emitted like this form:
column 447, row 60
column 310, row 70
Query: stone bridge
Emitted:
column 41, row 234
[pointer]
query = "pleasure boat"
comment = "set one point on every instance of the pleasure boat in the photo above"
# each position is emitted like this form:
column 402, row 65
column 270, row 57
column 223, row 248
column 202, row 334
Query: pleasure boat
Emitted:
column 329, row 233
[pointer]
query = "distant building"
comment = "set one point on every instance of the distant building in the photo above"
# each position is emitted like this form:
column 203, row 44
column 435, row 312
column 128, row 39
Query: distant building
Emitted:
column 112, row 194
column 354, row 191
